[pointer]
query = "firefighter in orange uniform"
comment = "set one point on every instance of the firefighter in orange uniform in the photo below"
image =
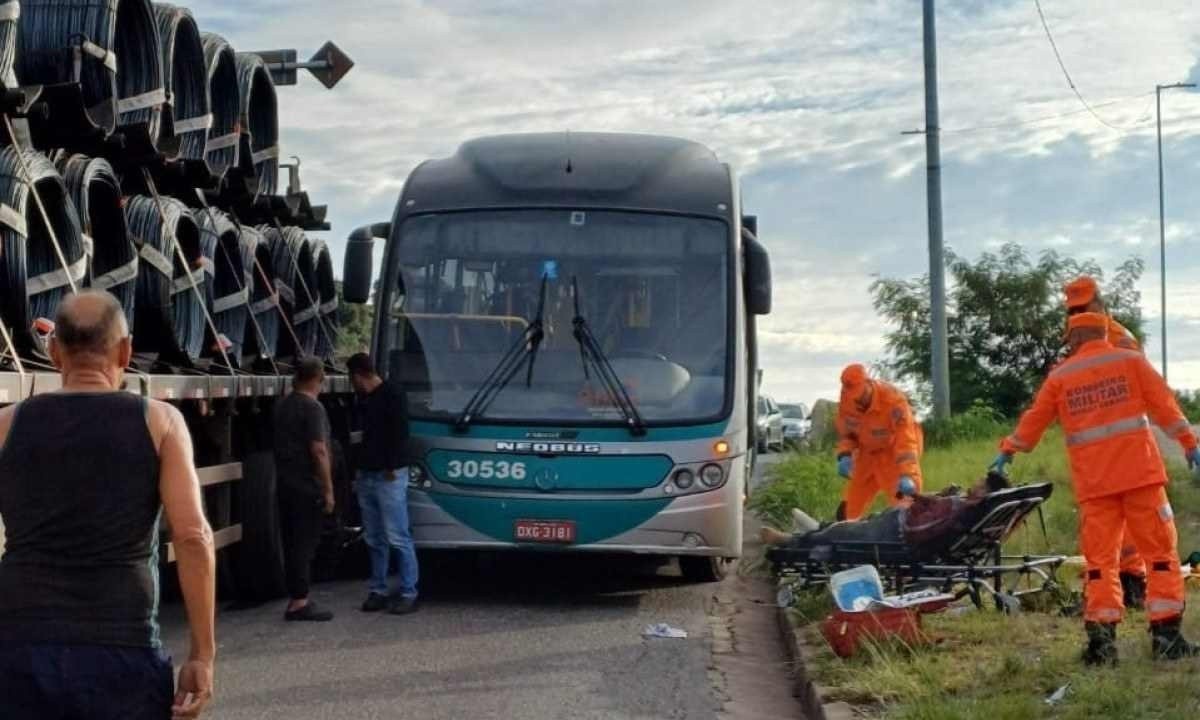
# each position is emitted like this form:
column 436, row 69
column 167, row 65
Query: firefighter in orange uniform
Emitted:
column 1105, row 399
column 1083, row 295
column 879, row 443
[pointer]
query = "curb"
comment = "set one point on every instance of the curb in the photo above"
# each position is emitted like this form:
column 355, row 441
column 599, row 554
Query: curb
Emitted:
column 810, row 695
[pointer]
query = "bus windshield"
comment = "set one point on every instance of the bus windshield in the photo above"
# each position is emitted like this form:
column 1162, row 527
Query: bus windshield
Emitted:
column 652, row 288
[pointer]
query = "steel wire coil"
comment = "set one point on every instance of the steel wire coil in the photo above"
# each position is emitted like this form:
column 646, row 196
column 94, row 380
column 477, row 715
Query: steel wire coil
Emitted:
column 295, row 278
column 326, row 288
column 10, row 13
column 260, row 120
column 119, row 68
column 96, row 192
column 185, row 79
column 225, row 102
column 262, row 333
column 33, row 279
column 230, row 285
column 170, row 317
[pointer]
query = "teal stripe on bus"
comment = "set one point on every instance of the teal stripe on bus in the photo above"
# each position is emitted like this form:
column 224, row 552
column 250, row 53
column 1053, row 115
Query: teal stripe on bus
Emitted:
column 582, row 434
column 595, row 520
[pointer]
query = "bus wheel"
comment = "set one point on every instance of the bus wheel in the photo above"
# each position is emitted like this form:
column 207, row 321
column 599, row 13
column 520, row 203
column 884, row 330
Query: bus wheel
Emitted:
column 705, row 569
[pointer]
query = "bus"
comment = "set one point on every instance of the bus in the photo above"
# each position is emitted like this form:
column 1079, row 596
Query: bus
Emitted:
column 572, row 319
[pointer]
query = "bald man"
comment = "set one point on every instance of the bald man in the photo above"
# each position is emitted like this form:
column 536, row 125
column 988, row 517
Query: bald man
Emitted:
column 85, row 475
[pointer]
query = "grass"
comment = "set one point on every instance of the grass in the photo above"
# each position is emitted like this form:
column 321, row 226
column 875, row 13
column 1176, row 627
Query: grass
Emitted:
column 985, row 664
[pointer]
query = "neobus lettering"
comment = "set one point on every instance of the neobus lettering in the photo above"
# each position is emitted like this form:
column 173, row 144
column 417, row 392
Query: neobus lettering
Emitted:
column 544, row 447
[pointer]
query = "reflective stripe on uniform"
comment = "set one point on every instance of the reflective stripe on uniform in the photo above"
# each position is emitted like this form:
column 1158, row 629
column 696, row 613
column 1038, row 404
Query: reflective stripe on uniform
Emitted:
column 1105, row 615
column 906, row 457
column 1107, row 430
column 1073, row 366
column 1017, row 442
column 1163, row 605
column 1178, row 427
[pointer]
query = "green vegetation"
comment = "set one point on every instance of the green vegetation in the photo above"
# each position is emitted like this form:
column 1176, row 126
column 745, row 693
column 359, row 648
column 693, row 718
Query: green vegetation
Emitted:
column 354, row 326
column 985, row 664
column 1005, row 322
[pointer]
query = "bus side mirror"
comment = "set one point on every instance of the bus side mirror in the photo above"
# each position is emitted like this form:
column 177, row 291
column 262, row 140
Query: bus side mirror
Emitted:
column 359, row 264
column 758, row 275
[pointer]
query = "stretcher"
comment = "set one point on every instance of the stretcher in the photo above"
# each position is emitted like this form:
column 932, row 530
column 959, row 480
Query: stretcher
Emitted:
column 967, row 561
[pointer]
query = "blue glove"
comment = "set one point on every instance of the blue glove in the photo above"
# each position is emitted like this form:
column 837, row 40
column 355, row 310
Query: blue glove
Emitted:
column 845, row 465
column 1193, row 459
column 1000, row 462
column 906, row 487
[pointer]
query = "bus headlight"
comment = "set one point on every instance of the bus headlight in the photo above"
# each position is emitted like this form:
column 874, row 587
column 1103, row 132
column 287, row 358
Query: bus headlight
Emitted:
column 684, row 479
column 712, row 475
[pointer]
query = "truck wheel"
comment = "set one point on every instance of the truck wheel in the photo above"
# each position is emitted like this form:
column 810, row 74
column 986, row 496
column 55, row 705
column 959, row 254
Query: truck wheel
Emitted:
column 258, row 559
column 704, row 569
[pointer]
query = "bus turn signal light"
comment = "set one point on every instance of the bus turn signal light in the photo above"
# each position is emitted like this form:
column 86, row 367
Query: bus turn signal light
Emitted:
column 721, row 448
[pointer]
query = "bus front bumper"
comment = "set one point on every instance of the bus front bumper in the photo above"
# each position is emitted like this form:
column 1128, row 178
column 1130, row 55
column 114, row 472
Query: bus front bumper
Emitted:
column 703, row 524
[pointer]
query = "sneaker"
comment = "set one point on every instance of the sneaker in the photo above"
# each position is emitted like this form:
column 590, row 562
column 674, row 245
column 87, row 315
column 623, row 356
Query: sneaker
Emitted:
column 375, row 602
column 1167, row 643
column 1102, row 644
column 309, row 613
column 402, row 606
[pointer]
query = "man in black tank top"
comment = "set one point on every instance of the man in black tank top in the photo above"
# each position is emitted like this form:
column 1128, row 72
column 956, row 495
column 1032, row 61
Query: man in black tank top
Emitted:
column 85, row 475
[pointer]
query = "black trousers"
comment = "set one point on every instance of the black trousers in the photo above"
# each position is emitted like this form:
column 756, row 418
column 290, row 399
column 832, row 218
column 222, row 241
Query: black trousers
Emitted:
column 300, row 530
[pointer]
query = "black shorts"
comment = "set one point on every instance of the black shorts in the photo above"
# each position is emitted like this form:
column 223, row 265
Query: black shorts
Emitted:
column 98, row 682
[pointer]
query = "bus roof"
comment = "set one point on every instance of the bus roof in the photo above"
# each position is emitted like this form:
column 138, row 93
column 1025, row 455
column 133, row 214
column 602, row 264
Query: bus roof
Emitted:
column 575, row 170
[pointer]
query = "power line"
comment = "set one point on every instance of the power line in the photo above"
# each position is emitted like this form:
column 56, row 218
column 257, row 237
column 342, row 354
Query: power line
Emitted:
column 1058, row 56
column 1047, row 118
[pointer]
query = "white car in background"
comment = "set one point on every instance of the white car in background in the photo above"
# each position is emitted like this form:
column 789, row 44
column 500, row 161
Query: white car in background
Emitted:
column 797, row 422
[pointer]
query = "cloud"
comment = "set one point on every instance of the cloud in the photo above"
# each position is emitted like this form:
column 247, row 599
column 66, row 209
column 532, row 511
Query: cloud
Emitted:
column 808, row 100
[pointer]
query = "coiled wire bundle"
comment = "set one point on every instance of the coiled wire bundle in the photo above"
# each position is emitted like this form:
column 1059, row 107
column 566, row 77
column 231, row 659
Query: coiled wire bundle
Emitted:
column 96, row 192
column 170, row 317
column 260, row 120
column 262, row 332
column 326, row 289
column 32, row 255
column 10, row 13
column 225, row 103
column 110, row 47
column 185, row 79
column 231, row 284
column 296, row 284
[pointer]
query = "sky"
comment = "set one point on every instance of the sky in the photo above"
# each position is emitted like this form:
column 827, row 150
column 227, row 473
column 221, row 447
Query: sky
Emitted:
column 808, row 100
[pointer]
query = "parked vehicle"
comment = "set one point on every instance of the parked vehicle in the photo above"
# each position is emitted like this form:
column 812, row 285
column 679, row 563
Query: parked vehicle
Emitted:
column 796, row 423
column 572, row 317
column 770, row 425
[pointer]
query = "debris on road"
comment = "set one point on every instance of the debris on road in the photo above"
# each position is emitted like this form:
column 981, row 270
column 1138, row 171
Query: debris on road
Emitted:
column 663, row 630
column 1058, row 695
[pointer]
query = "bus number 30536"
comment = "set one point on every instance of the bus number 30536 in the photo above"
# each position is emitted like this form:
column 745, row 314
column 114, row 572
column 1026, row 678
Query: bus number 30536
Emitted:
column 485, row 469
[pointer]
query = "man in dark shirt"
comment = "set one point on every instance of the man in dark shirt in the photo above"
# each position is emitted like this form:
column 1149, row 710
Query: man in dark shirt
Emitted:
column 86, row 475
column 304, row 479
column 382, row 488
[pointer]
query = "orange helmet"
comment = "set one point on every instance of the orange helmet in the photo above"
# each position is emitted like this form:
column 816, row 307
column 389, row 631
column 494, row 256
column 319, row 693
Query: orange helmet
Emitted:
column 1081, row 292
column 854, row 377
column 1087, row 320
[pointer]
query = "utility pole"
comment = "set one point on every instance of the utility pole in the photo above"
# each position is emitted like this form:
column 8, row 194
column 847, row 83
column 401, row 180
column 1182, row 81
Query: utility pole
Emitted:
column 1162, row 224
column 940, row 352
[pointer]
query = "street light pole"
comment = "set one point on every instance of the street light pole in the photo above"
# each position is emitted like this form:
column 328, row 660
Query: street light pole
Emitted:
column 940, row 353
column 1162, row 224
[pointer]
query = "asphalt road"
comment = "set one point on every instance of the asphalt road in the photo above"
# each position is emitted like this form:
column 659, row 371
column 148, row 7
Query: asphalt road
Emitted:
column 519, row 636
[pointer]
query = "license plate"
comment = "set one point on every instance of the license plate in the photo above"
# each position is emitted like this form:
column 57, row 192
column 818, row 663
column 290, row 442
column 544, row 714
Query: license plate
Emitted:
column 545, row 531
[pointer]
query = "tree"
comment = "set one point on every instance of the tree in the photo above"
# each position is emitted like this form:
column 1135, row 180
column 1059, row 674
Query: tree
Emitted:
column 354, row 326
column 1005, row 319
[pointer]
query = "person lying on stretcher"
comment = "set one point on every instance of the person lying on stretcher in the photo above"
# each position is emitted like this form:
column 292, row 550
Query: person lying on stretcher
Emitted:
column 928, row 519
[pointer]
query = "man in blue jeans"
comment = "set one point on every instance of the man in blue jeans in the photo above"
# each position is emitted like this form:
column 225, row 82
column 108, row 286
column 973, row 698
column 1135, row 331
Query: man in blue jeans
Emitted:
column 382, row 488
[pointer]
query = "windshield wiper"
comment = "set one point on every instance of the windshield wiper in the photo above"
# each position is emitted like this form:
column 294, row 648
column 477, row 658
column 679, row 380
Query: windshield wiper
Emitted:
column 590, row 351
column 525, row 349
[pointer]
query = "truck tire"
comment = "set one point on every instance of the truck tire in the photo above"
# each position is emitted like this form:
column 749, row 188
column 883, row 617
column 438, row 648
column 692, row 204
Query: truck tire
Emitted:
column 258, row 559
column 704, row 569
